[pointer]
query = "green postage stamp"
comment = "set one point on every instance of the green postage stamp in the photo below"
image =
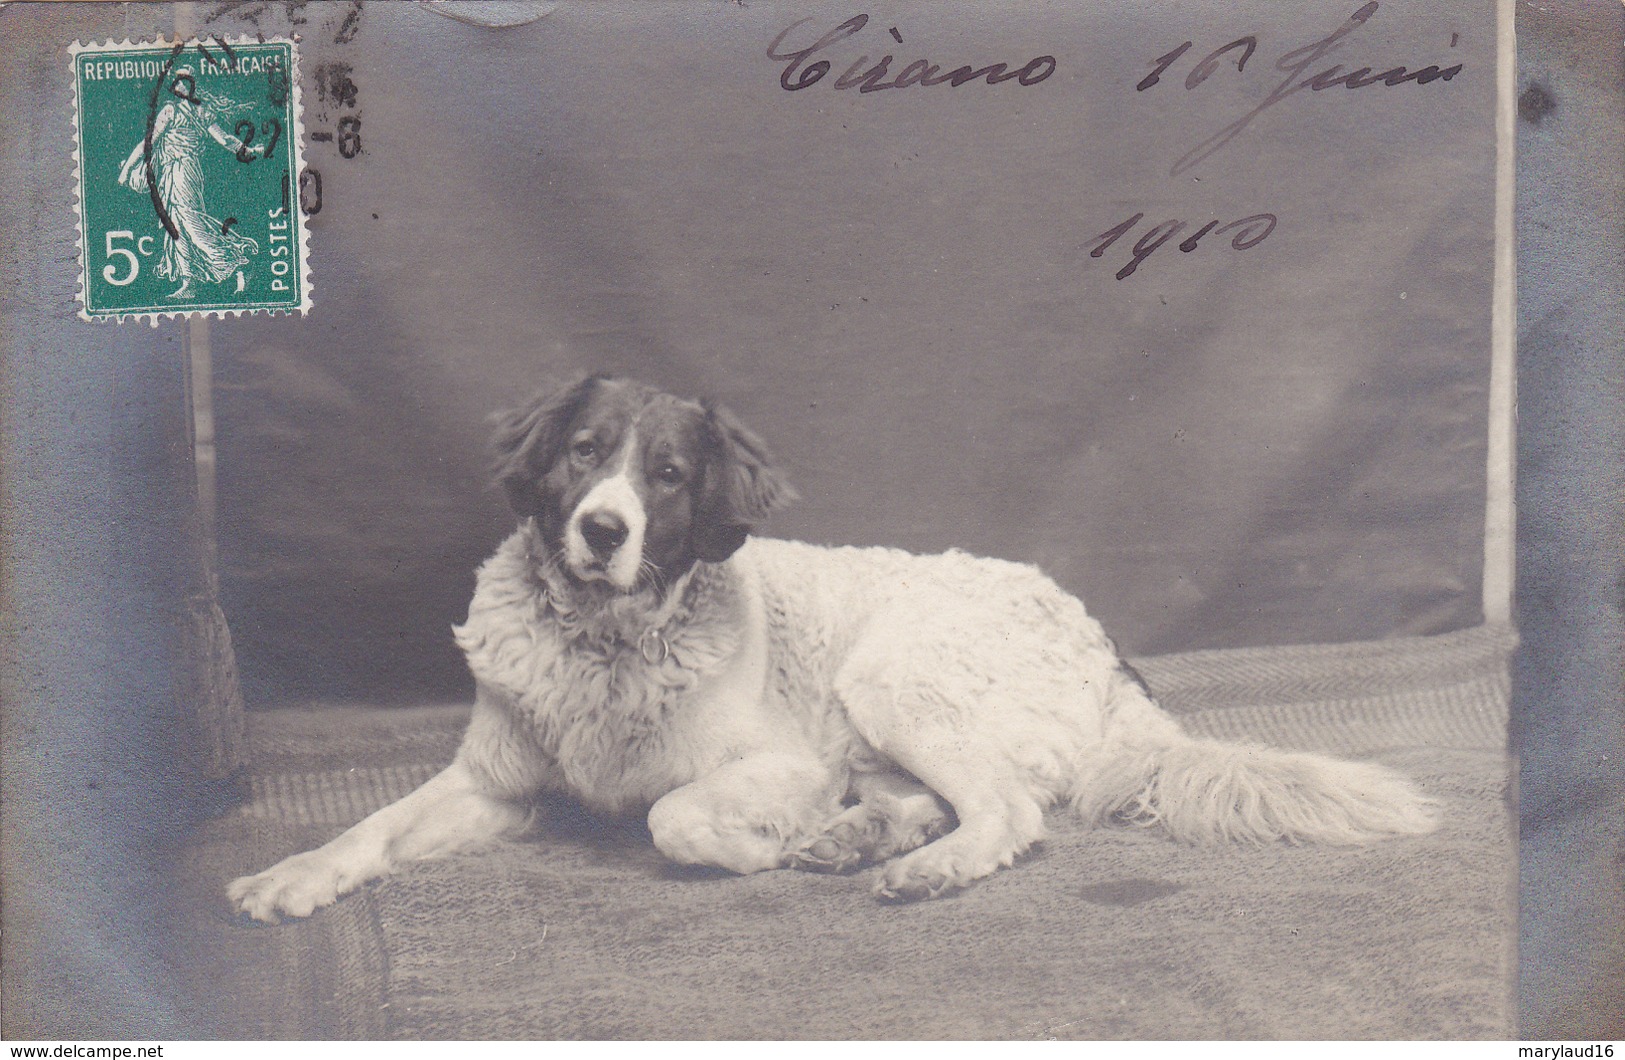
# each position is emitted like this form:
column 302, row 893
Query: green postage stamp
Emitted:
column 188, row 163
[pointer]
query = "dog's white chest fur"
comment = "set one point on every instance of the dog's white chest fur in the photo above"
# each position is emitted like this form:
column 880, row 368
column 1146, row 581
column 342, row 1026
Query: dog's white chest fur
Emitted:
column 621, row 704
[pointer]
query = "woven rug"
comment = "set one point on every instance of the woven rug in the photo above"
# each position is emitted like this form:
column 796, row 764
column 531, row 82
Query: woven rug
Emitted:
column 583, row 931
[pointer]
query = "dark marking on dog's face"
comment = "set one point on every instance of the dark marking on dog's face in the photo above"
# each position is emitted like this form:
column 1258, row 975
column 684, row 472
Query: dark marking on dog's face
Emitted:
column 629, row 484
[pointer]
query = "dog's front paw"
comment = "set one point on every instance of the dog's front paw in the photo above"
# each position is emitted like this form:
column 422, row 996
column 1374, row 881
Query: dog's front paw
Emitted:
column 933, row 871
column 902, row 884
column 294, row 887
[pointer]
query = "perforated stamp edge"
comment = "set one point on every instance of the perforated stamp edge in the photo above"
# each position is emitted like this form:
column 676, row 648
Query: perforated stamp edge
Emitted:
column 296, row 146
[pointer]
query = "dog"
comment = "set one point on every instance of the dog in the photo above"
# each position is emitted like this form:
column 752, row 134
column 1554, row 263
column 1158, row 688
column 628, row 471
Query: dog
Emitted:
column 771, row 704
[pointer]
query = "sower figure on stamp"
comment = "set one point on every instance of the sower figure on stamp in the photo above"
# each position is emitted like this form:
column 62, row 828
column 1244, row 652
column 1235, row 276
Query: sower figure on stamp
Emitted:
column 196, row 244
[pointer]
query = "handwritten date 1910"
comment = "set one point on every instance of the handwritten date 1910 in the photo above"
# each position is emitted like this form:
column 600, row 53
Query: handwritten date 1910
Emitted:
column 1249, row 232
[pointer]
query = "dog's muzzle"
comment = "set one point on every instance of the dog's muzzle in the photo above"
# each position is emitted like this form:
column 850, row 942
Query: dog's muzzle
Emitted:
column 604, row 540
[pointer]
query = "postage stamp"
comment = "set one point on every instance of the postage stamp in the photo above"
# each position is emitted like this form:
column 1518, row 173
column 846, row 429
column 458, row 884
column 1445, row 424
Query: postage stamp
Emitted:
column 188, row 155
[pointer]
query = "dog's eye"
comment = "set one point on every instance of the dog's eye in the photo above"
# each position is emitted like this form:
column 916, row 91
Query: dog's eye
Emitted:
column 669, row 475
column 586, row 449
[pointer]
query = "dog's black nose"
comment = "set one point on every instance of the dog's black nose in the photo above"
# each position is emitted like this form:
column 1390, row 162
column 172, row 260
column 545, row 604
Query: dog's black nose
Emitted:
column 604, row 532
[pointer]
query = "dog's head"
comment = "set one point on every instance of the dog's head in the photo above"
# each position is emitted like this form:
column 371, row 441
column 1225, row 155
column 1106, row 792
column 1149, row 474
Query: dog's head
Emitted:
column 627, row 483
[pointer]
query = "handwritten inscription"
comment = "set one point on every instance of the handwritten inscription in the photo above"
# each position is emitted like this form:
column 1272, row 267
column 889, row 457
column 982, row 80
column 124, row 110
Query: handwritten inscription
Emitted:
column 1249, row 232
column 1295, row 64
column 799, row 73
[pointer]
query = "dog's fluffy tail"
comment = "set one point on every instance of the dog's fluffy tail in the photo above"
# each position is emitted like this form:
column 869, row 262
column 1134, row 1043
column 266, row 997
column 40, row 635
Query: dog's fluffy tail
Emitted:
column 1205, row 790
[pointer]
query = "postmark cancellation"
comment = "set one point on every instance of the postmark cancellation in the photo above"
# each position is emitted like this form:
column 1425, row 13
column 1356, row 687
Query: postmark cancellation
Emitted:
column 187, row 161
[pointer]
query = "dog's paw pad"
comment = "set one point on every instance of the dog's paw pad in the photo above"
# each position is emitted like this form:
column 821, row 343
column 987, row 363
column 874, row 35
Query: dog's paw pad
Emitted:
column 827, row 854
column 845, row 846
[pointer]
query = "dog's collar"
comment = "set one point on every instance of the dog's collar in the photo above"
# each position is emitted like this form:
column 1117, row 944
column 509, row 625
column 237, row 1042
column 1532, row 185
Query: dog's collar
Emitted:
column 652, row 642
column 653, row 647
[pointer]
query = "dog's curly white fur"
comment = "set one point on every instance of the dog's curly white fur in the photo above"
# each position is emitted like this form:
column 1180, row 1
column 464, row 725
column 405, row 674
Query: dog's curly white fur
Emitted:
column 773, row 704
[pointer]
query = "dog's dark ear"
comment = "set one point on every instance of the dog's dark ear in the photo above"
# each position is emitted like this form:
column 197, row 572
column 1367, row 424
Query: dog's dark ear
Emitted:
column 529, row 439
column 742, row 486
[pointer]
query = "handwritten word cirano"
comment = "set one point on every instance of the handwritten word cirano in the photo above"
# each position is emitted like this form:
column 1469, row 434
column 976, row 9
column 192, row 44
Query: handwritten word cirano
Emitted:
column 801, row 73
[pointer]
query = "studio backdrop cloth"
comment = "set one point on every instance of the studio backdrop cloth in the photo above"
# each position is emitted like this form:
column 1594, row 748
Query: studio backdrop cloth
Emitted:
column 1278, row 444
